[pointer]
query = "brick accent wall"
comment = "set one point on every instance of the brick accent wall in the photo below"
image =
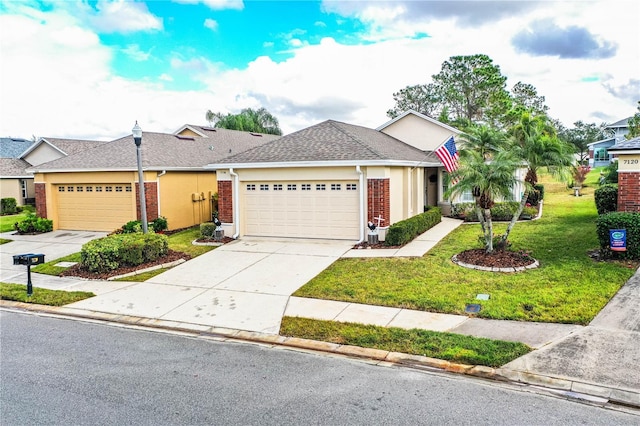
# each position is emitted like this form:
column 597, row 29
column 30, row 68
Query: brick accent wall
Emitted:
column 151, row 196
column 225, row 201
column 629, row 192
column 378, row 200
column 41, row 200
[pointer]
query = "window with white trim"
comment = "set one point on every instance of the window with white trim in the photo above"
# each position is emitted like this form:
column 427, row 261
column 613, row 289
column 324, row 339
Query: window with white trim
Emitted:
column 352, row 187
column 277, row 187
column 23, row 187
column 251, row 187
column 292, row 187
column 336, row 187
column 321, row 187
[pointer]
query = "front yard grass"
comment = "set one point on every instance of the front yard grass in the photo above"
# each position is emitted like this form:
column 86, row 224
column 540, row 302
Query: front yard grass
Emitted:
column 433, row 344
column 180, row 241
column 41, row 296
column 7, row 222
column 568, row 287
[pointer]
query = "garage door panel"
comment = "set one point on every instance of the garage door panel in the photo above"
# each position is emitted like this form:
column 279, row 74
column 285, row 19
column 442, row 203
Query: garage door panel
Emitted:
column 304, row 213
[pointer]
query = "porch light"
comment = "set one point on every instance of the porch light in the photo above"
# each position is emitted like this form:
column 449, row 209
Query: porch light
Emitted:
column 137, row 138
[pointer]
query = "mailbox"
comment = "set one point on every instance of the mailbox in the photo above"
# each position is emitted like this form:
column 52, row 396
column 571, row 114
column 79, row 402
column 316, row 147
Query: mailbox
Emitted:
column 28, row 259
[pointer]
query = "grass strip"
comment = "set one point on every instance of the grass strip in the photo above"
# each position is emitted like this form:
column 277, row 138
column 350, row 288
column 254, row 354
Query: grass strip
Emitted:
column 448, row 346
column 41, row 296
column 7, row 221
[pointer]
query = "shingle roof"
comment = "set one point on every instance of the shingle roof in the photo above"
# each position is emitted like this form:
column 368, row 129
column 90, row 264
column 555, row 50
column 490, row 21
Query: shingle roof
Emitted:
column 13, row 147
column 14, row 167
column 621, row 123
column 631, row 144
column 332, row 141
column 160, row 151
column 72, row 146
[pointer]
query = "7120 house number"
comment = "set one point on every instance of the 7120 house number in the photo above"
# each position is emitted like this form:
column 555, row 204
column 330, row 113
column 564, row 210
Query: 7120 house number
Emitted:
column 631, row 161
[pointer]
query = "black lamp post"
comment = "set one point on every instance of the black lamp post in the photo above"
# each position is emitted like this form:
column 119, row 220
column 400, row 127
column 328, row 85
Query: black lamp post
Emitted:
column 137, row 138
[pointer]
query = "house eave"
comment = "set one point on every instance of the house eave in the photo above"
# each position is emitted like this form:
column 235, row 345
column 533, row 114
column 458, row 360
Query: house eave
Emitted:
column 118, row 169
column 309, row 164
column 424, row 117
column 194, row 130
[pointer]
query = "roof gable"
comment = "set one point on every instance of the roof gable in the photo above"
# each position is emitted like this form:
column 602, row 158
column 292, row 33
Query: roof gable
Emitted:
column 419, row 130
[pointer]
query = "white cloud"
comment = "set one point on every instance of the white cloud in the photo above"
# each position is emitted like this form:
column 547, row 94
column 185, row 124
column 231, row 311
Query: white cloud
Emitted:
column 212, row 24
column 133, row 51
column 123, row 17
column 216, row 4
column 165, row 77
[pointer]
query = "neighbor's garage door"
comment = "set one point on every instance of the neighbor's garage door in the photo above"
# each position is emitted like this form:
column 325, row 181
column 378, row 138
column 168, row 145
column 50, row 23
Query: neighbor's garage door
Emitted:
column 301, row 209
column 94, row 207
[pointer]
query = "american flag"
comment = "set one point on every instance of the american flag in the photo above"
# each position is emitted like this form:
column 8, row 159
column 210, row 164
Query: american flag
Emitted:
column 448, row 154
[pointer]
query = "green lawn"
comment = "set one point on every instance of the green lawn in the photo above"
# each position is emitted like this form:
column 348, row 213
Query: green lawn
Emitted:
column 7, row 222
column 447, row 346
column 569, row 287
column 41, row 296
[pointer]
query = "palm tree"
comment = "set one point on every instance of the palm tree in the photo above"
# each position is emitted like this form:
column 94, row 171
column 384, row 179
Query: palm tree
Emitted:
column 486, row 169
column 248, row 120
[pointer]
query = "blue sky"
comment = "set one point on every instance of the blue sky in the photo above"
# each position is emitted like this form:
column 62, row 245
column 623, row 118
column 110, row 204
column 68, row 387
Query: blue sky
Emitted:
column 89, row 69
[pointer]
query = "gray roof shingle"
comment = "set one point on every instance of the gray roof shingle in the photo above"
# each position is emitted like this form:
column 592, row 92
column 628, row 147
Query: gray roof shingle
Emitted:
column 13, row 147
column 332, row 141
column 631, row 144
column 72, row 146
column 14, row 168
column 160, row 151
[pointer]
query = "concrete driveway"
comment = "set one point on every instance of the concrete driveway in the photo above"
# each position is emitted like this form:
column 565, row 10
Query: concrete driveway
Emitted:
column 243, row 285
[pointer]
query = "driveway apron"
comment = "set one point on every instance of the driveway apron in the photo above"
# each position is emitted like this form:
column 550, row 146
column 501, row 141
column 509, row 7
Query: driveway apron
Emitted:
column 242, row 285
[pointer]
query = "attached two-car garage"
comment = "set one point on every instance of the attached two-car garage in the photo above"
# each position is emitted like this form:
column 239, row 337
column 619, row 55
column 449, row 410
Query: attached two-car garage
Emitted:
column 301, row 209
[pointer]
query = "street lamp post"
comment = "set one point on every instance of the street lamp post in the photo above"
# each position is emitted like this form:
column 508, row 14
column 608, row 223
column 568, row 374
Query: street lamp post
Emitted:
column 137, row 138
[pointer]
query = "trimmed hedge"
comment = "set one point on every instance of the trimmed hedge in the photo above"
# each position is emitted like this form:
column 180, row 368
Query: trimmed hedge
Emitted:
column 33, row 224
column 619, row 220
column 606, row 198
column 208, row 229
column 406, row 230
column 135, row 226
column 8, row 206
column 499, row 212
column 109, row 253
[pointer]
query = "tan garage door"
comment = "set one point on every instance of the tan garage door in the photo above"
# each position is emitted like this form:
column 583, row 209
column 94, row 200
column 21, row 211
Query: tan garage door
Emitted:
column 94, row 207
column 302, row 209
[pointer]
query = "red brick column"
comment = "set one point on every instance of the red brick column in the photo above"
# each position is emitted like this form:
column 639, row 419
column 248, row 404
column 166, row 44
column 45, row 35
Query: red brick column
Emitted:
column 225, row 201
column 629, row 192
column 151, row 197
column 378, row 200
column 41, row 200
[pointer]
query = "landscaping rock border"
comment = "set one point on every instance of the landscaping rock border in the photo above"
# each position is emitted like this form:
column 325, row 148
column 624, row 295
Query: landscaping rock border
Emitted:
column 455, row 260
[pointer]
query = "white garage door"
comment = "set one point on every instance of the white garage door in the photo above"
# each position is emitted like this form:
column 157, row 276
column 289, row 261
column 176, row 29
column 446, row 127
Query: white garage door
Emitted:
column 303, row 209
column 94, row 207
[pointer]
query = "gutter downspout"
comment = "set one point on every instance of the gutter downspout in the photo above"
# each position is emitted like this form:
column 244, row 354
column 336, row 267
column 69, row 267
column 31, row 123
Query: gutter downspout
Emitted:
column 164, row 172
column 234, row 201
column 362, row 189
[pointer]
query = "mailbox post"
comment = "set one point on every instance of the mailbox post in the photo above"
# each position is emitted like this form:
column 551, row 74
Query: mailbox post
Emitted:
column 28, row 259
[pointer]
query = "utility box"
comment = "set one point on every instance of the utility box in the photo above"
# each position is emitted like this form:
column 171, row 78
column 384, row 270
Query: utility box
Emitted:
column 372, row 238
column 382, row 233
column 28, row 259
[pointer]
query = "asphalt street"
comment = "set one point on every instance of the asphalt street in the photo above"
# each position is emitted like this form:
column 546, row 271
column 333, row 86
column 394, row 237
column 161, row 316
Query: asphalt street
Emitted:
column 61, row 371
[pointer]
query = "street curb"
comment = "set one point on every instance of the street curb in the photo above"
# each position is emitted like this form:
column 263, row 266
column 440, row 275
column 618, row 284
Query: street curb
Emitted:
column 571, row 389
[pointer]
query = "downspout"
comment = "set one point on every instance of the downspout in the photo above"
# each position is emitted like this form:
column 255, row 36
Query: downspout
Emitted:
column 362, row 192
column 234, row 201
column 164, row 172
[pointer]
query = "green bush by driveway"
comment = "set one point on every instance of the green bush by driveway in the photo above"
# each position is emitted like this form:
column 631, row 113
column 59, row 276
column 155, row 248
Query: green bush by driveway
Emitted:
column 569, row 286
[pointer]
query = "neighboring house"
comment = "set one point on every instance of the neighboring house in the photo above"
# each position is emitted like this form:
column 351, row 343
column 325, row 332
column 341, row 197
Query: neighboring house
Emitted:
column 96, row 189
column 628, row 154
column 330, row 179
column 599, row 151
column 15, row 182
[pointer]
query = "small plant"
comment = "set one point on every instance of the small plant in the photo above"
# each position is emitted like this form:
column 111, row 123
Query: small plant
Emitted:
column 606, row 198
column 33, row 224
column 207, row 229
column 579, row 174
column 160, row 224
column 8, row 206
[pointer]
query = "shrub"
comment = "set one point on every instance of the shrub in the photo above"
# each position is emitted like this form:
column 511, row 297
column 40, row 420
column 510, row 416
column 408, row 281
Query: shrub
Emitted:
column 8, row 206
column 34, row 224
column 207, row 229
column 131, row 227
column 536, row 195
column 606, row 198
column 500, row 211
column 619, row 220
column 109, row 253
column 159, row 224
column 406, row 230
column 135, row 226
column 610, row 173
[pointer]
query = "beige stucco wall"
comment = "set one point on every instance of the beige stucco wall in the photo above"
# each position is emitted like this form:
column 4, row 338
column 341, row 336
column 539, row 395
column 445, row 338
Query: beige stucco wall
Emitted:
column 189, row 132
column 628, row 162
column 177, row 192
column 43, row 153
column 418, row 132
column 10, row 188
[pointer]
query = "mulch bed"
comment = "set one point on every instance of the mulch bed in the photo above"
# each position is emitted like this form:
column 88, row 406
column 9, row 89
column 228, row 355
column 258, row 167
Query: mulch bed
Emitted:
column 497, row 259
column 79, row 271
column 225, row 240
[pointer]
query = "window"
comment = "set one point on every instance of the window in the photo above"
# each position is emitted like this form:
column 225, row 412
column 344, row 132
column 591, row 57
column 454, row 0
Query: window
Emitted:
column 80, row 188
column 98, row 189
column 108, row 189
column 61, row 189
column 89, row 188
column 352, row 187
column 601, row 154
column 336, row 187
column 264, row 187
column 277, row 187
column 23, row 187
column 321, row 187
column 251, row 187
column 118, row 189
column 305, row 187
column 69, row 188
column 127, row 188
column 467, row 197
column 292, row 187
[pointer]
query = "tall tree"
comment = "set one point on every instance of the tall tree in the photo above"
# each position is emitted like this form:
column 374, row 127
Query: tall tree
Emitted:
column 248, row 120
column 634, row 124
column 581, row 135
